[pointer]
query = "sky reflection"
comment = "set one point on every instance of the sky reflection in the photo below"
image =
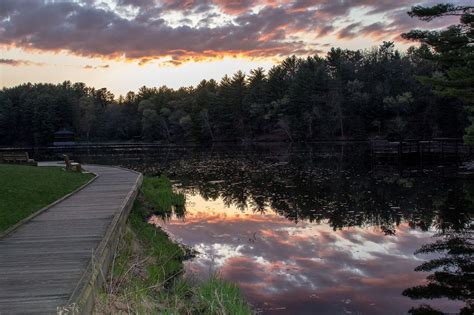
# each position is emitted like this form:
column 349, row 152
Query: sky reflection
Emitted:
column 303, row 268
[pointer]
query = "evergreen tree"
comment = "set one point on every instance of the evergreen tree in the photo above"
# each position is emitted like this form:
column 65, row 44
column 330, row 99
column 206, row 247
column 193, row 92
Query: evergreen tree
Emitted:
column 349, row 93
column 452, row 49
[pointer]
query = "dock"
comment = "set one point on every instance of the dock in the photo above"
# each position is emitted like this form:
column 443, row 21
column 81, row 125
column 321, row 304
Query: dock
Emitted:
column 55, row 262
column 437, row 150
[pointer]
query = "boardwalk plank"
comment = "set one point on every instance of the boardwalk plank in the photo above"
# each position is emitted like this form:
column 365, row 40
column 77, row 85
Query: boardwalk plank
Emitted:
column 42, row 262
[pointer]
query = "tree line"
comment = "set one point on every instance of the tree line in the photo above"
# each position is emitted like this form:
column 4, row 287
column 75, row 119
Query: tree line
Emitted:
column 422, row 93
column 348, row 94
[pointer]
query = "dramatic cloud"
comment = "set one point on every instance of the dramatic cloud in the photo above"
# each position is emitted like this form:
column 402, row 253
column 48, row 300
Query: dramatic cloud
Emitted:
column 17, row 62
column 193, row 30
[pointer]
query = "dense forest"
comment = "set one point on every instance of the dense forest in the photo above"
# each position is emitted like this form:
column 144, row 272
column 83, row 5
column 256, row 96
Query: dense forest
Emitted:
column 346, row 95
column 422, row 93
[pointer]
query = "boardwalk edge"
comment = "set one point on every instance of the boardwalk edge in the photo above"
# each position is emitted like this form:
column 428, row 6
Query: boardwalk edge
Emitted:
column 83, row 296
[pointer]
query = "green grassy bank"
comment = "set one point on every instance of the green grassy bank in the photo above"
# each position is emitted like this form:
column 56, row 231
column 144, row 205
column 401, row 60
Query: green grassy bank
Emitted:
column 146, row 273
column 26, row 189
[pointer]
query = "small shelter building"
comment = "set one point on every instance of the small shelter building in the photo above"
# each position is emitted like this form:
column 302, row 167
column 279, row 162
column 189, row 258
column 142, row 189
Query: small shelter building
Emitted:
column 64, row 137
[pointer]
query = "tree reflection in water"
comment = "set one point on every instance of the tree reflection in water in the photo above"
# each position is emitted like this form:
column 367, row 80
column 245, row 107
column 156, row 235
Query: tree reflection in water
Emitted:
column 336, row 186
column 344, row 198
column 453, row 266
column 317, row 192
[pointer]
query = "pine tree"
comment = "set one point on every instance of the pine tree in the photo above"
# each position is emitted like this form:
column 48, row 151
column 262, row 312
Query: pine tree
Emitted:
column 452, row 49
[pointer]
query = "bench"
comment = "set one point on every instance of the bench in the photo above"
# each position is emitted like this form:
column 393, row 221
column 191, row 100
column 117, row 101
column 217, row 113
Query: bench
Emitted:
column 17, row 158
column 71, row 165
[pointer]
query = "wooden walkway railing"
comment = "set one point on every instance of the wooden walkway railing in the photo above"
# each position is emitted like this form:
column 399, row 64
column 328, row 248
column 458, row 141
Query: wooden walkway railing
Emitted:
column 437, row 148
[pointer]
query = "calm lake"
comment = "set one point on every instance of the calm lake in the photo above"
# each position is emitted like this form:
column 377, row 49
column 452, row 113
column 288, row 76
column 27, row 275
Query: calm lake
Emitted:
column 312, row 229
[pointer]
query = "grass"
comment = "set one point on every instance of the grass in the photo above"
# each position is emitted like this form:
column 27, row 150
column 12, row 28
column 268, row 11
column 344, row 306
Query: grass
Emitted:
column 26, row 189
column 217, row 296
column 167, row 255
column 145, row 276
column 161, row 198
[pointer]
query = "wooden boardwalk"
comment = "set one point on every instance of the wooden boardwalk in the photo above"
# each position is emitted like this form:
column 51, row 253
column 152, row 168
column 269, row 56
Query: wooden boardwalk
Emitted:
column 45, row 263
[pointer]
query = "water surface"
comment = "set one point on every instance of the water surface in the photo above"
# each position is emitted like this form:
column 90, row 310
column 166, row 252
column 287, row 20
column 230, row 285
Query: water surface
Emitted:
column 314, row 229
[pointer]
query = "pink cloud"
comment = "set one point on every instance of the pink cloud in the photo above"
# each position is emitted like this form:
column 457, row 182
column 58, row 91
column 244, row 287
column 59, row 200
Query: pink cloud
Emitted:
column 89, row 29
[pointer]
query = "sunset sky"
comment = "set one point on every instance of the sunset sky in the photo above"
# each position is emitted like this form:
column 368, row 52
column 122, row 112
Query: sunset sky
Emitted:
column 125, row 44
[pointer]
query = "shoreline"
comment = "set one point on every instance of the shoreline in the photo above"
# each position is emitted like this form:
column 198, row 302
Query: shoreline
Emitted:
column 147, row 272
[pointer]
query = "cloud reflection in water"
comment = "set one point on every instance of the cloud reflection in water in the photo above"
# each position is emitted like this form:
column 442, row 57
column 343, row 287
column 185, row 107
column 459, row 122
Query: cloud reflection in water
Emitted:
column 304, row 268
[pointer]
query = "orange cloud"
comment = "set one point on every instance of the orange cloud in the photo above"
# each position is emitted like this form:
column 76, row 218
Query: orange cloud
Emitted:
column 85, row 29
